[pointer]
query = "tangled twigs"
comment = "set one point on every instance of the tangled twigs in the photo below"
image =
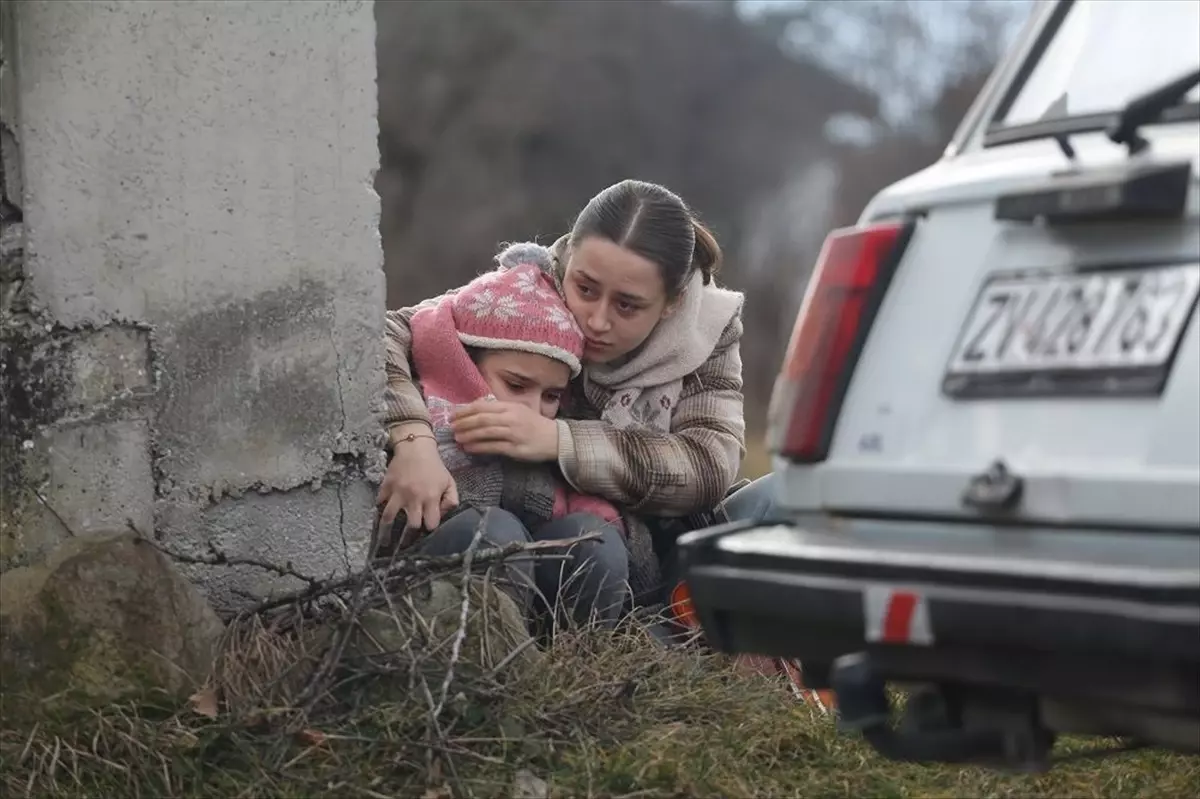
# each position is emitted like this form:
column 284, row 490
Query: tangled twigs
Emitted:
column 436, row 738
column 287, row 660
column 422, row 564
column 397, row 567
column 312, row 691
column 220, row 558
column 461, row 634
column 341, row 603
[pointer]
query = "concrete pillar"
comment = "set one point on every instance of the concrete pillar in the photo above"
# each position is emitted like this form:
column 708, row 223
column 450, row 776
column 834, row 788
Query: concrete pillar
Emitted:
column 191, row 334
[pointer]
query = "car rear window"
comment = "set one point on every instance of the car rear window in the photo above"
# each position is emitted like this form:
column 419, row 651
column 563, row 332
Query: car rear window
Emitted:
column 1102, row 54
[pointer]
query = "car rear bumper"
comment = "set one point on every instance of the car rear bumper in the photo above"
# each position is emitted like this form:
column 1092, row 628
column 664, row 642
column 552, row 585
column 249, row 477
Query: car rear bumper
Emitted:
column 1056, row 628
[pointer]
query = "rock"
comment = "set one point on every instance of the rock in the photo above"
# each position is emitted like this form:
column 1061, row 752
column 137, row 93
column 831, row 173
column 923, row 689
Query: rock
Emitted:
column 496, row 627
column 417, row 630
column 105, row 617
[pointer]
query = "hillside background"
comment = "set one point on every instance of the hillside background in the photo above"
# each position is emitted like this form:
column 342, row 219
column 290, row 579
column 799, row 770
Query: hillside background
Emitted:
column 776, row 121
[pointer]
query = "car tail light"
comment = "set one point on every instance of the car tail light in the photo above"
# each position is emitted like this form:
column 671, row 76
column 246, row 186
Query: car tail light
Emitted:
column 844, row 293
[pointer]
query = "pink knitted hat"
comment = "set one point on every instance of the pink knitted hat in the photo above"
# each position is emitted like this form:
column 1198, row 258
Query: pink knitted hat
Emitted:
column 517, row 309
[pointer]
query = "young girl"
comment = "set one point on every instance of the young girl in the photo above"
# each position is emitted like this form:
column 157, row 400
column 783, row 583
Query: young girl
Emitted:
column 508, row 335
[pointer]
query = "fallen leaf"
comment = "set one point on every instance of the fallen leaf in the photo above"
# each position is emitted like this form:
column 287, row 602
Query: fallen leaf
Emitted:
column 310, row 737
column 204, row 702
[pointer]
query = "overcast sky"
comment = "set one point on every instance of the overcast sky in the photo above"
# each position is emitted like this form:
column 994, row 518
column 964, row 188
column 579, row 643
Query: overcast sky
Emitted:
column 941, row 20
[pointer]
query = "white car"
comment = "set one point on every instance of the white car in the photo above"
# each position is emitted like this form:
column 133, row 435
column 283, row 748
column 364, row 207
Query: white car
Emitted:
column 987, row 427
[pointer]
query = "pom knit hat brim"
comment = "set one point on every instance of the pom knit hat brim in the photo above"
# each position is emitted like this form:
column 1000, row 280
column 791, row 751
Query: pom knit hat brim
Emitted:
column 535, row 347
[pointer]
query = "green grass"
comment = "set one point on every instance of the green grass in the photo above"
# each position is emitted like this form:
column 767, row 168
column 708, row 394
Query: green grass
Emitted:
column 600, row 714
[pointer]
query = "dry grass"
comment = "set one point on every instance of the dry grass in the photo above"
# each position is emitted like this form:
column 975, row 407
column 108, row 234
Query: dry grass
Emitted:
column 360, row 694
column 598, row 714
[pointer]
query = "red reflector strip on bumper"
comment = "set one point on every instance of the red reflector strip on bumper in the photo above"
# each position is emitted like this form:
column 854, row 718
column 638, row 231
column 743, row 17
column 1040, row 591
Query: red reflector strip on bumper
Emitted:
column 893, row 616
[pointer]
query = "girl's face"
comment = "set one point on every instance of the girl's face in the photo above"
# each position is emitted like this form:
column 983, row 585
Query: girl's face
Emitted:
column 616, row 296
column 532, row 380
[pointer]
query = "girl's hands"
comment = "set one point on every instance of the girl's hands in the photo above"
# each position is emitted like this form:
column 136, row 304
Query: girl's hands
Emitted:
column 509, row 429
column 416, row 482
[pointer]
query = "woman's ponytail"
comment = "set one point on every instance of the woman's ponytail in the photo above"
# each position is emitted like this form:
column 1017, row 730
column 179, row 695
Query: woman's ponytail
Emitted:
column 706, row 253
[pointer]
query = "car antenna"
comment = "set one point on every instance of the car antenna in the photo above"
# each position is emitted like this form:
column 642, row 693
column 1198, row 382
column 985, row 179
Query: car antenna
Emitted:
column 1146, row 109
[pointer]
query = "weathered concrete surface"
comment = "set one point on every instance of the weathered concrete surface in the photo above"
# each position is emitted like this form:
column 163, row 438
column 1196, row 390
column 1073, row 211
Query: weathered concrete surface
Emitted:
column 200, row 285
column 290, row 529
column 76, row 440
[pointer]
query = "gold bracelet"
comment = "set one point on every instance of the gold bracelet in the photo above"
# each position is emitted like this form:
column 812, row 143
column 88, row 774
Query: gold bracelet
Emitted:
column 411, row 437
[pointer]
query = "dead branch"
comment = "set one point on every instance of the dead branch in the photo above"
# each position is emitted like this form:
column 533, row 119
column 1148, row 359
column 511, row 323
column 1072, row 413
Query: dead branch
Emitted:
column 460, row 635
column 219, row 558
column 421, row 564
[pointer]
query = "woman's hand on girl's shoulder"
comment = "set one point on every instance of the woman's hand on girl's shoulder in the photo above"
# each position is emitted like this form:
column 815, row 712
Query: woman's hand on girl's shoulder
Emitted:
column 507, row 429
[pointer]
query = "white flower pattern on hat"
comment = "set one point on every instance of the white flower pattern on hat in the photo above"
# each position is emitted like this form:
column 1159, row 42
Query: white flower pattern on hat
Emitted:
column 560, row 318
column 518, row 309
column 486, row 304
column 526, row 282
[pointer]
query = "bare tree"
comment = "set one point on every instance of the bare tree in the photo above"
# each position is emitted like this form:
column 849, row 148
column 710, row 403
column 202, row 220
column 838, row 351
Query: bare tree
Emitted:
column 903, row 51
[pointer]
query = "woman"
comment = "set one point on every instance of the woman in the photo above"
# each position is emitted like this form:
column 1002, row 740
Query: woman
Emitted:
column 656, row 423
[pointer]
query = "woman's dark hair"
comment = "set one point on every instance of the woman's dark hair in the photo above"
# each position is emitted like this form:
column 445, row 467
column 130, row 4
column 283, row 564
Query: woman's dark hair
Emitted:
column 655, row 223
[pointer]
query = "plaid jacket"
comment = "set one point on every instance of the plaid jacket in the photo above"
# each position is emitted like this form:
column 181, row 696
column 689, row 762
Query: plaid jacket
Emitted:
column 672, row 474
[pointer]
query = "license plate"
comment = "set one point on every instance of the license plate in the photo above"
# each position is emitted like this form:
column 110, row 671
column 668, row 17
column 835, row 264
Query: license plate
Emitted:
column 1103, row 332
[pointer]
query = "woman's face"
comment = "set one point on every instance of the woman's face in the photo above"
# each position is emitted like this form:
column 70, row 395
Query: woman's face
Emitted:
column 616, row 296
